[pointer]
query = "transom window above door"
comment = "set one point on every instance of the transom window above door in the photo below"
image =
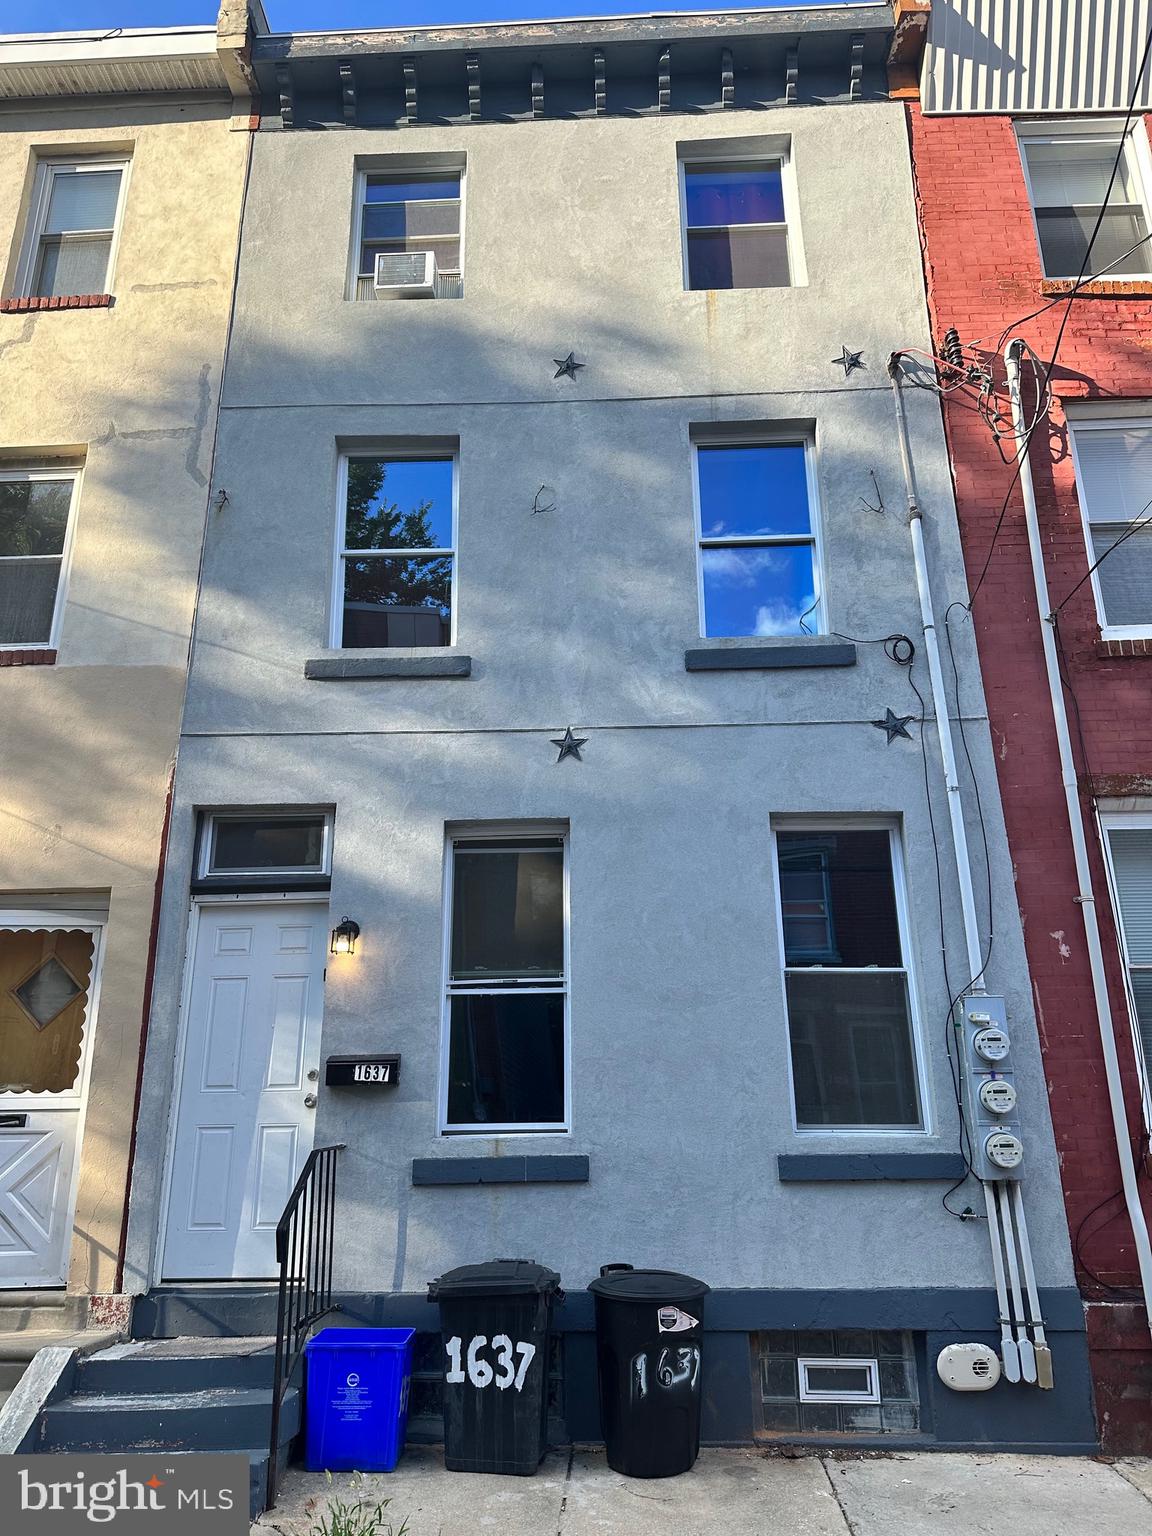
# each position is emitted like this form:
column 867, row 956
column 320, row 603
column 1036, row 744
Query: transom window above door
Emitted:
column 395, row 563
column 401, row 216
column 73, row 226
column 759, row 540
column 272, row 844
column 506, row 1005
column 36, row 512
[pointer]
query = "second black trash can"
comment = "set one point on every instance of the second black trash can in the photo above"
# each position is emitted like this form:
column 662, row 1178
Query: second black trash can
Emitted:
column 648, row 1340
column 496, row 1321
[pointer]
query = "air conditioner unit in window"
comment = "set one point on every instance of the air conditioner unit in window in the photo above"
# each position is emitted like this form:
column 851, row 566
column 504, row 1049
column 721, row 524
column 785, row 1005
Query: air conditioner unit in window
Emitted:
column 406, row 275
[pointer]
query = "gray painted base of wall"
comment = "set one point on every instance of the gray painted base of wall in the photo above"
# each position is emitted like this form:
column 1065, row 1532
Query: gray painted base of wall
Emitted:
column 1008, row 1418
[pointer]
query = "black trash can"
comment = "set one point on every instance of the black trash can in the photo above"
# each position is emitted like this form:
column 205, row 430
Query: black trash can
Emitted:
column 648, row 1352
column 496, row 1320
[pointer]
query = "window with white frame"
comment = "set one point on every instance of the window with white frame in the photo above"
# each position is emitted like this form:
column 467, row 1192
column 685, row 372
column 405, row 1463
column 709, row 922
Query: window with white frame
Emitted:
column 409, row 212
column 506, row 1005
column 1114, row 473
column 1129, row 843
column 74, row 220
column 1068, row 173
column 736, row 223
column 36, row 513
column 237, row 843
column 759, row 539
column 395, row 564
column 846, row 981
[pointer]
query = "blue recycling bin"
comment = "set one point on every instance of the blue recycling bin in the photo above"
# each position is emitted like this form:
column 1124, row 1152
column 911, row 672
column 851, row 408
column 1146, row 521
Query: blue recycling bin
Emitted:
column 356, row 1404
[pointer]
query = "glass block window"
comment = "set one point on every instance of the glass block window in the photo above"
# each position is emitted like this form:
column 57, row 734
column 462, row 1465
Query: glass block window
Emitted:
column 852, row 1381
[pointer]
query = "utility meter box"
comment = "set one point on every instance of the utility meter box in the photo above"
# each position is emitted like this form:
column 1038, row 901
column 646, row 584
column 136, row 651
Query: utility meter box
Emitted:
column 990, row 1099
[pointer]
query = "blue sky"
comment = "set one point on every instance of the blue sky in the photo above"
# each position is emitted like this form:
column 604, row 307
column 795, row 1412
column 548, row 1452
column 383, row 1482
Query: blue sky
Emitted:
column 313, row 15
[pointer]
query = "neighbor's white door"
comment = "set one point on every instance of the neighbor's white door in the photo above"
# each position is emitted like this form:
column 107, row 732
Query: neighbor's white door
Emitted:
column 245, row 1109
column 48, row 984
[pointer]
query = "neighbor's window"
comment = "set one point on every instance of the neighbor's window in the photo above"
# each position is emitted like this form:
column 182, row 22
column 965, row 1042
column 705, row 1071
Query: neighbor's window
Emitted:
column 290, row 844
column 846, row 982
column 1130, row 854
column 1114, row 466
column 72, row 229
column 1068, row 175
column 759, row 555
column 507, row 986
column 395, row 564
column 735, row 226
column 35, row 514
column 405, row 212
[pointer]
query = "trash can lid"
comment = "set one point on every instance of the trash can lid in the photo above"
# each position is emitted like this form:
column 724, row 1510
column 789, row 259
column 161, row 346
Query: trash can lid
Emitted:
column 499, row 1277
column 648, row 1285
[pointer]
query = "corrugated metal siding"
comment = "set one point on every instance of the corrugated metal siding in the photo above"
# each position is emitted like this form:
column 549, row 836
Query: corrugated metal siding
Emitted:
column 115, row 78
column 1035, row 55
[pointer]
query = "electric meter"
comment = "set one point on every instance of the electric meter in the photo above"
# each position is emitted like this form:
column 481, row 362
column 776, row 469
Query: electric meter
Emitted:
column 998, row 1096
column 992, row 1043
column 1004, row 1150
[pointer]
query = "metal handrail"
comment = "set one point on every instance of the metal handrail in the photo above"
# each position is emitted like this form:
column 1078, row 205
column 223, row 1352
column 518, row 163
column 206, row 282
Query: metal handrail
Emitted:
column 304, row 1243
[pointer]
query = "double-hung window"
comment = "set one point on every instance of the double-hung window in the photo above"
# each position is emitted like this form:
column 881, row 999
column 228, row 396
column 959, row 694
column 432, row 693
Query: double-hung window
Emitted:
column 736, row 224
column 36, row 509
column 759, row 543
column 409, row 212
column 846, row 979
column 396, row 557
column 1114, row 471
column 505, row 1055
column 1068, row 174
column 72, row 230
column 1129, row 842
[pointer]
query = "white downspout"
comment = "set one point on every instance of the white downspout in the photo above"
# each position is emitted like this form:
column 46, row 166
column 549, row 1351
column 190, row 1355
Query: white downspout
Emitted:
column 1085, row 898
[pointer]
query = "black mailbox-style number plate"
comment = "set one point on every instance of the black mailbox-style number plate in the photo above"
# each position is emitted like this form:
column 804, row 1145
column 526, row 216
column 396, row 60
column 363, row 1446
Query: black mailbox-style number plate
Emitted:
column 362, row 1071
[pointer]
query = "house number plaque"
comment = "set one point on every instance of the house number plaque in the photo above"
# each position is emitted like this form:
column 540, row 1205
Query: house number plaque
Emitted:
column 362, row 1071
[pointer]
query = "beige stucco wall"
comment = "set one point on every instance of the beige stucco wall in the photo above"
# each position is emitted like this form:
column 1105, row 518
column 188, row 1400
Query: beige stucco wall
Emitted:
column 86, row 745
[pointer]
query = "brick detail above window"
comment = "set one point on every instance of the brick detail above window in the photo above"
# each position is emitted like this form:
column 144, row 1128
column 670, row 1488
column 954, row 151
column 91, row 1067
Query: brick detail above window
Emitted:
column 1053, row 287
column 61, row 301
column 1107, row 649
column 34, row 658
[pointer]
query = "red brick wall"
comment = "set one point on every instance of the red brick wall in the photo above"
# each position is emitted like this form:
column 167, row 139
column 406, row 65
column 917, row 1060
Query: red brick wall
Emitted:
column 983, row 273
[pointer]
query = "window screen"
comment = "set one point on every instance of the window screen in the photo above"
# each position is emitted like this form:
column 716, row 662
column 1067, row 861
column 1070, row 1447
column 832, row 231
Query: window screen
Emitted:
column 1115, row 465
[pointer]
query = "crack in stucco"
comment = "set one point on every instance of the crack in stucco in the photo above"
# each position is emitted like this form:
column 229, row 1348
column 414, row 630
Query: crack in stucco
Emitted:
column 208, row 282
column 194, row 434
column 26, row 331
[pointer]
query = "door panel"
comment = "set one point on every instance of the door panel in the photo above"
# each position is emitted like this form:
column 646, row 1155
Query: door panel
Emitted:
column 243, row 1130
column 46, row 984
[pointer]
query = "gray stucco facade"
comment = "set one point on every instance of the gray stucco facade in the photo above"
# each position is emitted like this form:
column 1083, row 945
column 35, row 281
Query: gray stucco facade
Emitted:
column 583, row 615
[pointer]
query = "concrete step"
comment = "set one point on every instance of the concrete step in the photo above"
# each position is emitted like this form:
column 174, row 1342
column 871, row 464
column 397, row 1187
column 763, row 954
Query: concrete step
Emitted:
column 177, row 1365
column 217, row 1419
column 41, row 1312
column 17, row 1350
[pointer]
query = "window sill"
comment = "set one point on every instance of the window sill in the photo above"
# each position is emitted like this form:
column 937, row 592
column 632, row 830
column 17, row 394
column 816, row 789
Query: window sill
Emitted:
column 1138, row 288
column 867, row 1167
column 1108, row 650
column 771, row 655
column 35, row 658
column 499, row 1170
column 339, row 669
column 31, row 306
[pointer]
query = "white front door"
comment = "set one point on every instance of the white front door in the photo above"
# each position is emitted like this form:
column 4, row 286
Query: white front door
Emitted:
column 245, row 1106
column 49, row 969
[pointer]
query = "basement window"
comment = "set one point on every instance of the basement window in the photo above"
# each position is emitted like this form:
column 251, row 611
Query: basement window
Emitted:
column 1068, row 173
column 859, row 1381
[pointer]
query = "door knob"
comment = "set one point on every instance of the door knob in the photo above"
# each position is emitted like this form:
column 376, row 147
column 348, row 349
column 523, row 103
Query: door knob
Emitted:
column 309, row 1101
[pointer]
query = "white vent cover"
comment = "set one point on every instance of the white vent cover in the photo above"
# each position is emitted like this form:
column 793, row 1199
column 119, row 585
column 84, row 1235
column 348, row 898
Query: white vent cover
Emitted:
column 406, row 274
column 968, row 1367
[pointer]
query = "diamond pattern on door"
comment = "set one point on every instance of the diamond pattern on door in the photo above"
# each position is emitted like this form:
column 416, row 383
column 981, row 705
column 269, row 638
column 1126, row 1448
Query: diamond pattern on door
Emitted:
column 47, row 992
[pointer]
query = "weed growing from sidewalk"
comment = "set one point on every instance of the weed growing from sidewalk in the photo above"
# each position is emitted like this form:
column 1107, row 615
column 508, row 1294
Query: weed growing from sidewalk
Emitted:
column 359, row 1515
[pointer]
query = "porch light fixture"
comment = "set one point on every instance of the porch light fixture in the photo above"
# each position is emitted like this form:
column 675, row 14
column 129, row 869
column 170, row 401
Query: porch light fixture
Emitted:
column 344, row 937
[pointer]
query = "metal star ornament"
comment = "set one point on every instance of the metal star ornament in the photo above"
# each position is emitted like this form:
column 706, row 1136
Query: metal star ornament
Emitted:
column 849, row 361
column 566, row 366
column 569, row 745
column 894, row 725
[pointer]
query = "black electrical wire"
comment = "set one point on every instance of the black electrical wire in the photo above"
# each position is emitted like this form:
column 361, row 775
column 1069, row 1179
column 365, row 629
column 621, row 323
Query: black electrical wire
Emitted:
column 1069, row 302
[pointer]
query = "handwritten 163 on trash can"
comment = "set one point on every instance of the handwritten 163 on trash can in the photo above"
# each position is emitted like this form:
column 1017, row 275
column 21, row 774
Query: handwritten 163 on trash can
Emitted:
column 163, row 1491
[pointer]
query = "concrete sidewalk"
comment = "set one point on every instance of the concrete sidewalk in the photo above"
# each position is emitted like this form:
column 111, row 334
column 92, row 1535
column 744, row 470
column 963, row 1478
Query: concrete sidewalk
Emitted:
column 749, row 1493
